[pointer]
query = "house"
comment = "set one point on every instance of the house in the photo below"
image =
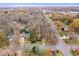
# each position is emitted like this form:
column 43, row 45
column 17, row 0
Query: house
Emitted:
column 64, row 29
column 22, row 41
column 10, row 37
column 24, row 35
column 73, row 35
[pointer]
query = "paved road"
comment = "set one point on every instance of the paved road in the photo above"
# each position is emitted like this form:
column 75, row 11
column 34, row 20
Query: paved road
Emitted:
column 61, row 45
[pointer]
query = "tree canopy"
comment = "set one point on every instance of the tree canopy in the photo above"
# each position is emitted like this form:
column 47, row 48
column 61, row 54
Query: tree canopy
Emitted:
column 3, row 39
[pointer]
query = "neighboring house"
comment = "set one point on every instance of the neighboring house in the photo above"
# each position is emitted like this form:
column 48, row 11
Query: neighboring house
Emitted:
column 73, row 35
column 22, row 41
column 65, row 29
column 10, row 37
column 24, row 35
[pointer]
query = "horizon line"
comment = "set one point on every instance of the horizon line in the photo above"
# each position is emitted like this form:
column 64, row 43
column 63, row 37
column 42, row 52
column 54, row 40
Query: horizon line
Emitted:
column 39, row 5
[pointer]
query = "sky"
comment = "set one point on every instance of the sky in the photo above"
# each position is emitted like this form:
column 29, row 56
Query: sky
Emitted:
column 38, row 4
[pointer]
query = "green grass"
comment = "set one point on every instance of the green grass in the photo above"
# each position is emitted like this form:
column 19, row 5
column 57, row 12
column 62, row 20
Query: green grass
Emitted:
column 62, row 34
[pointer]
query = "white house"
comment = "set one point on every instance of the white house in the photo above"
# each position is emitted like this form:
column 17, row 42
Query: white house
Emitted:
column 22, row 41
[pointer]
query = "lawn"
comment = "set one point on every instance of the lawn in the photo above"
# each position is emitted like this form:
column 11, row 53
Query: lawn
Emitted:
column 61, row 34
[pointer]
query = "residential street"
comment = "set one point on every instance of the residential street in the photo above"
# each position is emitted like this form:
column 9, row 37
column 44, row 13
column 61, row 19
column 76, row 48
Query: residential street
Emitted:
column 61, row 45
